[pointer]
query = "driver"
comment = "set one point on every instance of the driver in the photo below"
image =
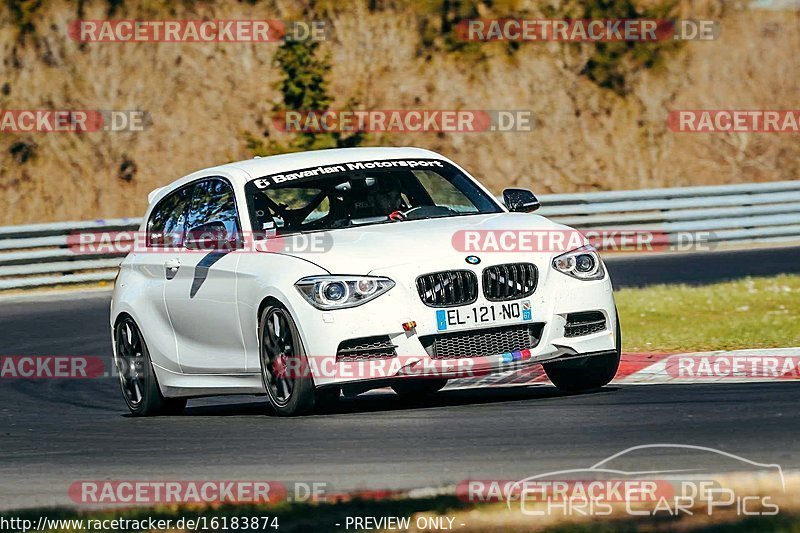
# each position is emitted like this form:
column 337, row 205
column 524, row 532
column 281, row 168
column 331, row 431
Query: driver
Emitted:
column 388, row 199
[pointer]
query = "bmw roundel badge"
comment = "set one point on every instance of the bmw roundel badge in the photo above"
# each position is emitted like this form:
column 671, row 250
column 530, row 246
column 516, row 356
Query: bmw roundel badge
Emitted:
column 473, row 259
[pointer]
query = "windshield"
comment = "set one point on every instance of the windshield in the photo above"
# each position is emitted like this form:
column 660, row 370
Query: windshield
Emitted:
column 363, row 193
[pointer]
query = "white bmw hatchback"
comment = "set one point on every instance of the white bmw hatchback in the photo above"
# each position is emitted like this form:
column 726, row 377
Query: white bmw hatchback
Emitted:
column 302, row 276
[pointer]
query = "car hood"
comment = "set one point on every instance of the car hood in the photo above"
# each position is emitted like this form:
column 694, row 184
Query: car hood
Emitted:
column 428, row 243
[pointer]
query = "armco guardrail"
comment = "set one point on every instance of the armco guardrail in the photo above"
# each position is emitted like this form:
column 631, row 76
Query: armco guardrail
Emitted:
column 38, row 255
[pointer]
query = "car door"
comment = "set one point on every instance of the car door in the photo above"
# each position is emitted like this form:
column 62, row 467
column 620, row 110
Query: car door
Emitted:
column 201, row 294
column 163, row 233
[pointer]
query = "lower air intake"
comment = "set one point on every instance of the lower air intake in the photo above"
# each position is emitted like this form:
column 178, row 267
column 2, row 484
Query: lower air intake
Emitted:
column 579, row 324
column 483, row 342
column 365, row 348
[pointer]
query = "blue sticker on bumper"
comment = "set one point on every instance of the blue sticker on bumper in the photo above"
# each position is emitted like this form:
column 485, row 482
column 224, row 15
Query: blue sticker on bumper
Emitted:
column 441, row 320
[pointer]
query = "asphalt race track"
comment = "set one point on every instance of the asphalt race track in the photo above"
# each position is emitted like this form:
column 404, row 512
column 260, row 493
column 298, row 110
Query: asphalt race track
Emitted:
column 55, row 432
column 701, row 268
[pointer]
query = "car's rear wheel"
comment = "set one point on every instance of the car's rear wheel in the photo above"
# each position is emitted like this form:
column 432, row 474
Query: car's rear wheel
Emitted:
column 416, row 387
column 284, row 366
column 137, row 378
column 588, row 372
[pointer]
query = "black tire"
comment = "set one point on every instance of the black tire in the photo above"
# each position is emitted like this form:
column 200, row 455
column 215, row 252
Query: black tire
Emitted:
column 292, row 393
column 586, row 373
column 415, row 388
column 137, row 379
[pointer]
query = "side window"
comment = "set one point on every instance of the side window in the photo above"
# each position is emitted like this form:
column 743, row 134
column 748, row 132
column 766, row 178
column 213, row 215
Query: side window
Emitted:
column 213, row 206
column 166, row 224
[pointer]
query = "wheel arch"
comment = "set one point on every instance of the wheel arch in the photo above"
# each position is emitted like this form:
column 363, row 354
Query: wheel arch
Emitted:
column 285, row 303
column 122, row 315
column 269, row 300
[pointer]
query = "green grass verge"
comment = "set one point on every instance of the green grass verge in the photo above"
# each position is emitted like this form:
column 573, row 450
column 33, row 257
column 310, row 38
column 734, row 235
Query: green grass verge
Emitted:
column 749, row 313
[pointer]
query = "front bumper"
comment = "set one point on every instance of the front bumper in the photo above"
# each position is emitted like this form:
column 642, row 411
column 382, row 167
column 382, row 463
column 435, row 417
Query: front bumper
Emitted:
column 556, row 296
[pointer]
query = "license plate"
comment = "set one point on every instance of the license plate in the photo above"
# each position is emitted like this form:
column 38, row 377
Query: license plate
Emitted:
column 477, row 315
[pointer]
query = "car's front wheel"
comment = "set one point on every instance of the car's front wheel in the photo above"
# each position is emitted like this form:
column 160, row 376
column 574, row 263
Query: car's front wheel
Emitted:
column 137, row 378
column 284, row 366
column 586, row 373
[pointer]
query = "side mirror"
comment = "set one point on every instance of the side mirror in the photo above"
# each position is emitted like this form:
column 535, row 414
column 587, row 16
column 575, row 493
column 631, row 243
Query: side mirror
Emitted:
column 211, row 237
column 520, row 200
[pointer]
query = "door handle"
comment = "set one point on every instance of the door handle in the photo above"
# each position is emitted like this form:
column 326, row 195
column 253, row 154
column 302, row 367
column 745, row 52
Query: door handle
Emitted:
column 171, row 267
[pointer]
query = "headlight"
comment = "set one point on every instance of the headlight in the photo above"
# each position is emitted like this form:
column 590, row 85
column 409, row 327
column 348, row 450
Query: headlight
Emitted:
column 339, row 292
column 583, row 263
